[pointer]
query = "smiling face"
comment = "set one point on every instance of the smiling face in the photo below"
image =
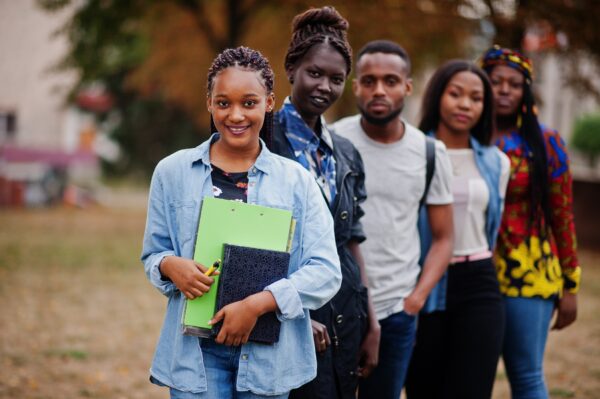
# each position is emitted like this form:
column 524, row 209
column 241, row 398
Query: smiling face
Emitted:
column 317, row 81
column 238, row 102
column 461, row 104
column 507, row 84
column 381, row 84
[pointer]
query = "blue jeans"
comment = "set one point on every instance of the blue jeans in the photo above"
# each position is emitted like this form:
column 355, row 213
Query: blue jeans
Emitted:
column 527, row 325
column 221, row 365
column 395, row 348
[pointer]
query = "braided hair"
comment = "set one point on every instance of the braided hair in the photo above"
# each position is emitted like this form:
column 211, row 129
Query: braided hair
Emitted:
column 252, row 60
column 529, row 130
column 316, row 26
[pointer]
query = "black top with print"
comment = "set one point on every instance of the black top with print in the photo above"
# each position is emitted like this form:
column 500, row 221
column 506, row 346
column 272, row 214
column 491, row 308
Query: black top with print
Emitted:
column 229, row 186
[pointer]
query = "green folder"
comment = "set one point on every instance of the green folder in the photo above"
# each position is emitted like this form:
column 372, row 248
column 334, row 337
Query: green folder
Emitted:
column 237, row 223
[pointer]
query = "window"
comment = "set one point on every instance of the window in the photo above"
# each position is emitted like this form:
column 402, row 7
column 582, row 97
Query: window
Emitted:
column 8, row 124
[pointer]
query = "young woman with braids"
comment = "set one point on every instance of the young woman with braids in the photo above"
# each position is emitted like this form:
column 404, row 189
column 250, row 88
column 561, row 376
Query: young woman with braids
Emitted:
column 345, row 330
column 458, row 345
column 236, row 164
column 536, row 255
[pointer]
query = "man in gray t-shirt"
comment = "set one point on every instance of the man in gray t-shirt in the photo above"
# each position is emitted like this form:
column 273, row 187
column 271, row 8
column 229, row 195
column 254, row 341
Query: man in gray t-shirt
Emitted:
column 394, row 157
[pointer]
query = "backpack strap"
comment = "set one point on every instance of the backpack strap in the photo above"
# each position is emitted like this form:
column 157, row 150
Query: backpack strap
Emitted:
column 430, row 167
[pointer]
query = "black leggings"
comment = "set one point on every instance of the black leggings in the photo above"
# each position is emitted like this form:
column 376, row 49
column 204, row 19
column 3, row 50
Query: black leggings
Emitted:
column 457, row 350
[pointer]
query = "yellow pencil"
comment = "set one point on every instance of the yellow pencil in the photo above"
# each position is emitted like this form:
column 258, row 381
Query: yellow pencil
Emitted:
column 213, row 268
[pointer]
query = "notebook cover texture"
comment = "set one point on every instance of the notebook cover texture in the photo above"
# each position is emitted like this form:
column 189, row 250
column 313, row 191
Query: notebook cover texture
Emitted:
column 247, row 271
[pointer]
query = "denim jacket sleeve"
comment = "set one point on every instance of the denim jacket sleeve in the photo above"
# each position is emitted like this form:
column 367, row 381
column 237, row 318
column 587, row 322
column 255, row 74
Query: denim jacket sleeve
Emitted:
column 157, row 242
column 318, row 277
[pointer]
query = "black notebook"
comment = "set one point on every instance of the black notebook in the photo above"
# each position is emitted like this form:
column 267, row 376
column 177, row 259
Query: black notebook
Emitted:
column 247, row 271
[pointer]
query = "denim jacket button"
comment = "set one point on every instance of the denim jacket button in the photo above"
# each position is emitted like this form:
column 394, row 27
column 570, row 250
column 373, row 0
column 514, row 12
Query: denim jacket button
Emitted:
column 344, row 215
column 339, row 319
column 245, row 356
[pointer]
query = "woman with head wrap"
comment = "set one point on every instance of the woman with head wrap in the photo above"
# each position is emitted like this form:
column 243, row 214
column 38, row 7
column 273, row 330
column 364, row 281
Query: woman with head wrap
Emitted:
column 536, row 256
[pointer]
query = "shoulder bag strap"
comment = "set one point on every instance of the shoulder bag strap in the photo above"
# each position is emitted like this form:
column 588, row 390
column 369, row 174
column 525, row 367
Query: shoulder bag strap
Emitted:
column 430, row 168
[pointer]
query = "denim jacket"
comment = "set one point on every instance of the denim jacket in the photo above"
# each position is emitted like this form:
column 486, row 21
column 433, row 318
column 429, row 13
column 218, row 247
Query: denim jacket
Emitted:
column 178, row 185
column 487, row 159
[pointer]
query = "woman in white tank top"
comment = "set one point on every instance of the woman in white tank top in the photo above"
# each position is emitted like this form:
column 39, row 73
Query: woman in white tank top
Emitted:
column 458, row 348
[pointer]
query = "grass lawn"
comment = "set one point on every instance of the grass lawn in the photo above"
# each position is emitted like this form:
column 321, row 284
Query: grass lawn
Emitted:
column 79, row 319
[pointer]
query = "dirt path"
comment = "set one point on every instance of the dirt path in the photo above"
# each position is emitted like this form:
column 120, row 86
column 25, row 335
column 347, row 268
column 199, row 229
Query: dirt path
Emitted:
column 78, row 318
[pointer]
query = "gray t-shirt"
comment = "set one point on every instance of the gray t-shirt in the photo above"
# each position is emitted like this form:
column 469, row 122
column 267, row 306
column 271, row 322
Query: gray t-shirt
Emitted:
column 395, row 181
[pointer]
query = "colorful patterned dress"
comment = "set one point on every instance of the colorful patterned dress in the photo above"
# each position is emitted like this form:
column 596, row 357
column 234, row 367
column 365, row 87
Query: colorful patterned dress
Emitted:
column 529, row 264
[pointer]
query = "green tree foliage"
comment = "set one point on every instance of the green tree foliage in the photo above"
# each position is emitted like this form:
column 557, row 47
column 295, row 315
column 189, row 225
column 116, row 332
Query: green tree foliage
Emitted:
column 152, row 55
column 586, row 136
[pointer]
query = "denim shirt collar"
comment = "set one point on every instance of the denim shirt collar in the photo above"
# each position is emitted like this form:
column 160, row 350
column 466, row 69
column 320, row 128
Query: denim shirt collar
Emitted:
column 202, row 154
column 475, row 145
column 301, row 136
column 313, row 152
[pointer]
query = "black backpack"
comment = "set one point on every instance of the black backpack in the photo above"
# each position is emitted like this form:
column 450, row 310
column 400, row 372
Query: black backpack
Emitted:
column 430, row 168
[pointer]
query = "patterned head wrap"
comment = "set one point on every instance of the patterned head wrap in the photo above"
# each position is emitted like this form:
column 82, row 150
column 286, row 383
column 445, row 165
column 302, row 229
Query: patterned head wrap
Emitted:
column 511, row 58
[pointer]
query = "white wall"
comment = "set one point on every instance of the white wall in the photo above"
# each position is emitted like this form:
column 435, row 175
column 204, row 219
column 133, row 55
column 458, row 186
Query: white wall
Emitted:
column 27, row 52
column 561, row 106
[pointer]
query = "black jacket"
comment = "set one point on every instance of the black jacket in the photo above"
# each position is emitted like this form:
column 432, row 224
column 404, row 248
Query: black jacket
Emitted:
column 346, row 314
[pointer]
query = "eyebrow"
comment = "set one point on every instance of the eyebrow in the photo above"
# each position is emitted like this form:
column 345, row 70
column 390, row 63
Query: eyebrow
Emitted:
column 463, row 87
column 247, row 95
column 386, row 76
column 315, row 66
column 496, row 75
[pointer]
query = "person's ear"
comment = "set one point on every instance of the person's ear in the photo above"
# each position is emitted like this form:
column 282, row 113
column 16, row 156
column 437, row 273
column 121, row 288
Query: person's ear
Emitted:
column 289, row 71
column 270, row 102
column 409, row 86
column 209, row 104
column 355, row 86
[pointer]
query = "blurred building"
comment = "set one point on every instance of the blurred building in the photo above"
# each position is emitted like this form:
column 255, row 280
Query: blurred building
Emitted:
column 560, row 107
column 560, row 104
column 45, row 144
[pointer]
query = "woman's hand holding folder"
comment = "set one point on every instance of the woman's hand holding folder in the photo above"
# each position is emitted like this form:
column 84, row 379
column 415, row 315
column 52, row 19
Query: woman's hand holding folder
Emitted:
column 239, row 318
column 187, row 275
